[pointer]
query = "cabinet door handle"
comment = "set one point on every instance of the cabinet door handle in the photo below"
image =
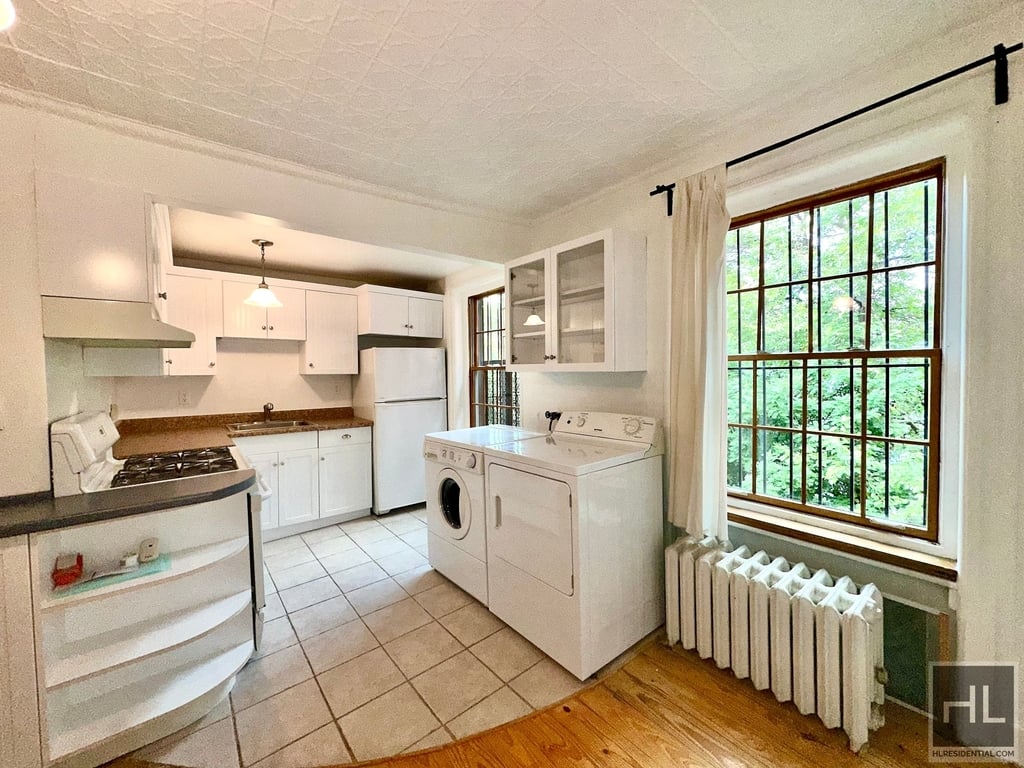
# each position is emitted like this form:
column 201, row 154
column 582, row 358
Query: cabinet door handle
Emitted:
column 345, row 436
column 263, row 328
column 323, row 458
column 271, row 327
column 310, row 365
column 497, row 511
column 212, row 365
column 162, row 295
column 274, row 464
column 281, row 464
column 168, row 361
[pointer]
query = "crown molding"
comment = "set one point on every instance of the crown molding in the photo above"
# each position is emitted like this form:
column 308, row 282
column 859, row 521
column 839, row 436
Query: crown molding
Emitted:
column 146, row 132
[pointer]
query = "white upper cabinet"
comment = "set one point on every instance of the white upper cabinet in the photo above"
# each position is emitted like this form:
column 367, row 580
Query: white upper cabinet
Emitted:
column 426, row 318
column 580, row 306
column 331, row 344
column 192, row 303
column 242, row 321
column 92, row 239
column 394, row 312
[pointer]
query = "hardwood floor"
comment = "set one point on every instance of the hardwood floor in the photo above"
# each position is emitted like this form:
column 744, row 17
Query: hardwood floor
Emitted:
column 667, row 708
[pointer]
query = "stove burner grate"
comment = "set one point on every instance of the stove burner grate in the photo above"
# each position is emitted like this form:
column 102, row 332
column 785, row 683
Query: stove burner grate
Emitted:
column 154, row 467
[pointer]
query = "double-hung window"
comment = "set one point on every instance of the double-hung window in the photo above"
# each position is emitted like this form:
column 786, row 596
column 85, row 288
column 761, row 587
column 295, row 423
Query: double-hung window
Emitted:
column 493, row 391
column 834, row 353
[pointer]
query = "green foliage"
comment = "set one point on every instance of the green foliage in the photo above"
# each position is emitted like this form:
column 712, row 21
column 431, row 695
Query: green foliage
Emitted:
column 827, row 311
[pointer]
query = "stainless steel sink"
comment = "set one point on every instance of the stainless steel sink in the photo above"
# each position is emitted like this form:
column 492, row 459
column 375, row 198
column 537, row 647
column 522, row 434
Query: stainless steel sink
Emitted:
column 254, row 426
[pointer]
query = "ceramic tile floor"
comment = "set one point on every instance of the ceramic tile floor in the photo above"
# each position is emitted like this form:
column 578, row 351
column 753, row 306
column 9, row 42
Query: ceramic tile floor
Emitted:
column 367, row 652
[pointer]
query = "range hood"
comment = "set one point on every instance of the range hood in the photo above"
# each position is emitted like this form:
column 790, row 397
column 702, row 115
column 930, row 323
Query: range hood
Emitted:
column 102, row 323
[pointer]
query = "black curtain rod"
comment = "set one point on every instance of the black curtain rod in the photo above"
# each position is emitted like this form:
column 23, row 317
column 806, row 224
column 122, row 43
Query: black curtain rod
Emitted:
column 1002, row 95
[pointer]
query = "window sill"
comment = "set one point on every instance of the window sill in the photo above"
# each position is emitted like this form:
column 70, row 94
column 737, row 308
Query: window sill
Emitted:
column 918, row 562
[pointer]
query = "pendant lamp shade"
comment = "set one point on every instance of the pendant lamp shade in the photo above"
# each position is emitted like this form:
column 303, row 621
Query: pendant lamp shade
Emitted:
column 262, row 296
column 534, row 319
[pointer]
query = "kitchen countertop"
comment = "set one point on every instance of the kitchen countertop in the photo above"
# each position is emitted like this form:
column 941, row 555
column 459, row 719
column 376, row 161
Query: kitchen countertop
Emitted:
column 42, row 512
column 178, row 433
column 22, row 515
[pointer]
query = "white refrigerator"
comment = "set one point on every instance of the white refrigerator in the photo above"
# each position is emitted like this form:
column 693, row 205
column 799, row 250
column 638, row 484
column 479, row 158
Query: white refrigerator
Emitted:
column 403, row 390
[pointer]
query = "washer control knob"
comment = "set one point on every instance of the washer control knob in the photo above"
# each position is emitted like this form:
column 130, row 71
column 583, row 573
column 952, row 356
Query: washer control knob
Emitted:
column 581, row 419
column 471, row 461
column 632, row 426
column 444, row 453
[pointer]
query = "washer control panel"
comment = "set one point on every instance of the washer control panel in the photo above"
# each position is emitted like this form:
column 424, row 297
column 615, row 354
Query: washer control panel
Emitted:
column 449, row 456
column 619, row 426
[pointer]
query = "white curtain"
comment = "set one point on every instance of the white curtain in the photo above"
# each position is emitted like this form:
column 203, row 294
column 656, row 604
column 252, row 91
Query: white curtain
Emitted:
column 697, row 363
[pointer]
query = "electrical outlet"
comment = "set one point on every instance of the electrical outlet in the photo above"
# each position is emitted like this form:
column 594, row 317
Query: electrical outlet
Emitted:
column 184, row 398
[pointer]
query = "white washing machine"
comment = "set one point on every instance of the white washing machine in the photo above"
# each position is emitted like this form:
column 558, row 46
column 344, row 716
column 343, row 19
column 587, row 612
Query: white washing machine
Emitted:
column 456, row 531
column 575, row 535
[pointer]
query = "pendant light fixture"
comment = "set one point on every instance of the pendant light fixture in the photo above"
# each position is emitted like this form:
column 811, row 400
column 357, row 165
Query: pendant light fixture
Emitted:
column 533, row 318
column 262, row 296
column 7, row 15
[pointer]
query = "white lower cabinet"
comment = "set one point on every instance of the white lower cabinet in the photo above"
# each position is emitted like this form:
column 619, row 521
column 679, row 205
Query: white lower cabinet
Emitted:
column 265, row 465
column 346, row 471
column 19, row 709
column 312, row 475
column 297, row 482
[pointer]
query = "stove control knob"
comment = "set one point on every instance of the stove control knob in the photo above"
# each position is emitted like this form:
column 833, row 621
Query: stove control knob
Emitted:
column 471, row 461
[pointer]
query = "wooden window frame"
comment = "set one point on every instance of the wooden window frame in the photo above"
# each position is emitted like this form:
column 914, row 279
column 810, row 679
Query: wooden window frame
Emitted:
column 474, row 363
column 934, row 169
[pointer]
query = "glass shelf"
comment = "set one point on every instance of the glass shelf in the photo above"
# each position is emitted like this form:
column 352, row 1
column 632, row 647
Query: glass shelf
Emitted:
column 529, row 300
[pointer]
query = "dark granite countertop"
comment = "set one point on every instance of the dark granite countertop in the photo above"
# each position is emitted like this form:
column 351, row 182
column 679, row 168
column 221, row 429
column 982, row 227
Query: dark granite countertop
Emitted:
column 42, row 512
column 30, row 514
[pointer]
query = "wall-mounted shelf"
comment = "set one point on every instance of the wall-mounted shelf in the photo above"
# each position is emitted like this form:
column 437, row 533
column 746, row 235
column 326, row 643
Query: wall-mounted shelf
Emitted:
column 528, row 301
column 586, row 292
column 580, row 331
column 528, row 335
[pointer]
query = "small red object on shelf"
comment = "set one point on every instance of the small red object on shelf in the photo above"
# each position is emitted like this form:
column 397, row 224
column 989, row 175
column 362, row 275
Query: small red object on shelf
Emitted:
column 67, row 570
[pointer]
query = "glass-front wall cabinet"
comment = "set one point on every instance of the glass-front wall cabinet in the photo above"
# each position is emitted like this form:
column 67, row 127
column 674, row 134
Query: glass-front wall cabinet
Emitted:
column 580, row 306
column 580, row 310
column 527, row 296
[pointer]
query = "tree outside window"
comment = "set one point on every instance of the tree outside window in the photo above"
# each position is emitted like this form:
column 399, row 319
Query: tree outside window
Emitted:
column 834, row 353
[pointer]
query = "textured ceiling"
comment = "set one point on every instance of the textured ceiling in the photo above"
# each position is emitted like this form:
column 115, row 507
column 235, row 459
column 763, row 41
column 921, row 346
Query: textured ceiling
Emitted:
column 516, row 106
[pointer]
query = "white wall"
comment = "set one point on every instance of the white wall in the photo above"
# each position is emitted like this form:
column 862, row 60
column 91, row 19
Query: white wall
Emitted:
column 457, row 290
column 991, row 141
column 173, row 168
column 250, row 372
column 24, row 450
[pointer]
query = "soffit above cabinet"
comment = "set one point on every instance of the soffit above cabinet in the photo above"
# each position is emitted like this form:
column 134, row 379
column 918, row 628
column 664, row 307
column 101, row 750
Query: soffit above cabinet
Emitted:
column 546, row 97
column 224, row 241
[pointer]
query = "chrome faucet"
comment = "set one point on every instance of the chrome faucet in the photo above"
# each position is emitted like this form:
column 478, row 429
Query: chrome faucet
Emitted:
column 267, row 408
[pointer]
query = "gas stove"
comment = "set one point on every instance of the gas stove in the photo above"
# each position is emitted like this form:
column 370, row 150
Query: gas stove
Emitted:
column 83, row 461
column 154, row 467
